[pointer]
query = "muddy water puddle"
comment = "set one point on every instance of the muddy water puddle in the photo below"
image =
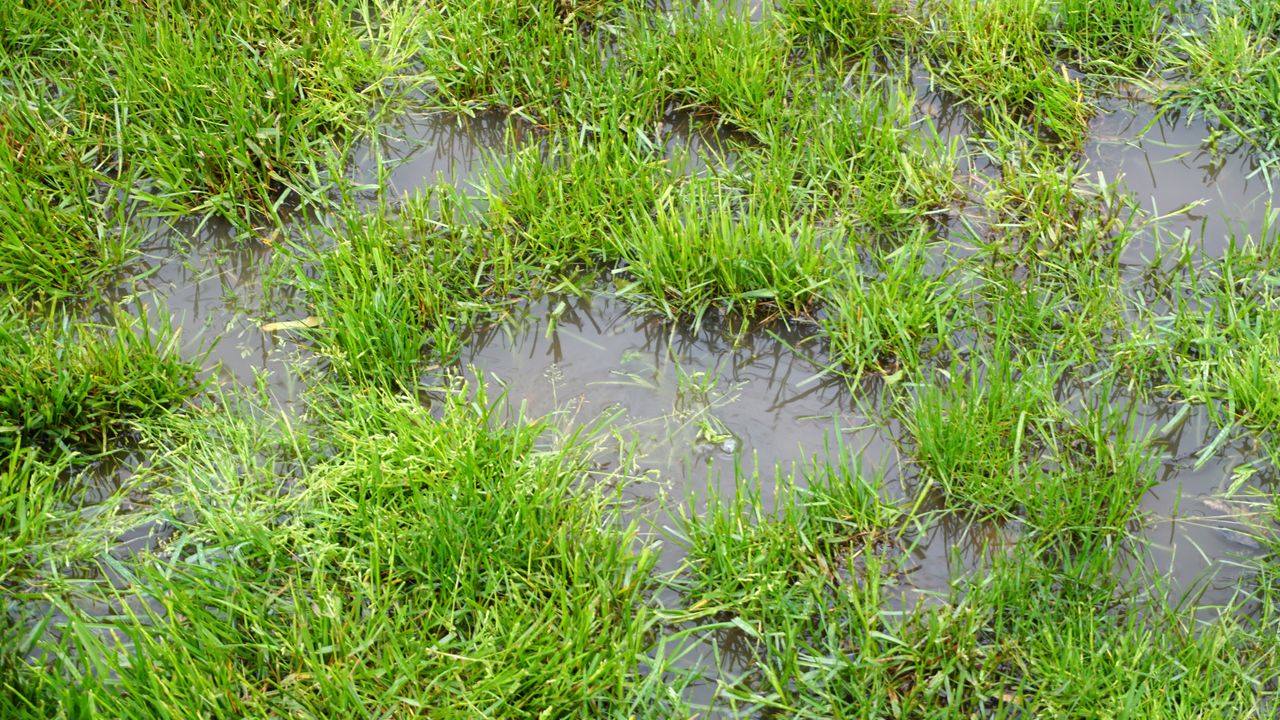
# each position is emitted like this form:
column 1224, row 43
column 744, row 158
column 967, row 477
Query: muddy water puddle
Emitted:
column 705, row 407
column 702, row 408
column 1177, row 173
column 701, row 405
column 418, row 150
column 692, row 410
column 206, row 280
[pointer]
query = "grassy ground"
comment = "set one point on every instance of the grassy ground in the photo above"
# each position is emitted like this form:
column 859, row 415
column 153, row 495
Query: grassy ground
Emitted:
column 382, row 556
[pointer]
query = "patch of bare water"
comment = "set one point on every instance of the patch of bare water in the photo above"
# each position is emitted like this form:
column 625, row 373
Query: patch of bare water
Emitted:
column 753, row 10
column 696, row 145
column 1202, row 518
column 1176, row 171
column 207, row 280
column 418, row 150
column 700, row 405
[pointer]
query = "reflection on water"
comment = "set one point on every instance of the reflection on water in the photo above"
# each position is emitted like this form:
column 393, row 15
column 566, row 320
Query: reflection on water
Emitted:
column 755, row 388
column 1173, row 169
column 700, row 406
column 696, row 145
column 422, row 149
column 209, row 281
column 696, row 402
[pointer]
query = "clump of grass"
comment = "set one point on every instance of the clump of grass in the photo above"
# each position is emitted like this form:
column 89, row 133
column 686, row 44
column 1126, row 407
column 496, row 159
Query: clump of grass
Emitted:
column 998, row 56
column 856, row 156
column 296, row 81
column 730, row 66
column 996, row 440
column 1038, row 205
column 389, row 289
column 704, row 251
column 1216, row 344
column 63, row 228
column 33, row 499
column 434, row 544
column 1252, row 380
column 1117, row 37
column 568, row 204
column 1037, row 633
column 398, row 286
column 577, row 64
column 70, row 384
column 1100, row 468
column 860, row 27
column 886, row 320
column 976, row 435
column 762, row 565
column 1052, row 247
column 1231, row 73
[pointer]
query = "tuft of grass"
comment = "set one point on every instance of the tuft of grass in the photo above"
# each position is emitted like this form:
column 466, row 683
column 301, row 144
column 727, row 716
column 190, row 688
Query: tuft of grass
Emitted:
column 1231, row 73
column 575, row 64
column 296, row 80
column 889, row 318
column 977, row 435
column 730, row 66
column 442, row 563
column 566, row 204
column 860, row 27
column 856, row 156
column 705, row 251
column 1216, row 343
column 33, row 500
column 69, row 384
column 1114, row 37
column 63, row 225
column 390, row 288
column 1037, row 633
column 764, row 565
column 998, row 56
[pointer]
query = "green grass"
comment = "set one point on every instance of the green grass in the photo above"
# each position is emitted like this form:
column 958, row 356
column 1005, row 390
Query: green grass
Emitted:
column 976, row 434
column 60, row 234
column 1215, row 346
column 892, row 317
column 1229, row 72
column 763, row 565
column 32, row 501
column 133, row 82
column 704, row 251
column 441, row 565
column 400, row 544
column 1041, row 631
column 857, row 157
column 858, row 28
column 544, row 61
column 69, row 385
column 1117, row 37
column 997, row 441
column 998, row 57
column 377, row 292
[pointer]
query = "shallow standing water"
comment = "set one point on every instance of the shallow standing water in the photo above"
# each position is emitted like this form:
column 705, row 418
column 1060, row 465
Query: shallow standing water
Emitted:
column 700, row 405
column 1177, row 174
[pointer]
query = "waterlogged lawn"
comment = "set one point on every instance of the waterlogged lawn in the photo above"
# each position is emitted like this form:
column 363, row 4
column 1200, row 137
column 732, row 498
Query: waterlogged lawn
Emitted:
column 787, row 359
